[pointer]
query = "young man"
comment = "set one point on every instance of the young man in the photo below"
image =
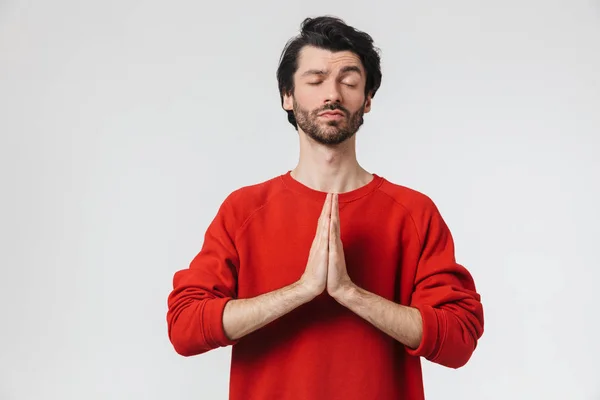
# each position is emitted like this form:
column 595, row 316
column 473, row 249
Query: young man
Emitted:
column 329, row 281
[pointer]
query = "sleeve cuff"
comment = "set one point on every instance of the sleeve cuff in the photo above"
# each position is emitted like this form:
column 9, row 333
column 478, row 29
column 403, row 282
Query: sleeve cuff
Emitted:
column 430, row 340
column 212, row 316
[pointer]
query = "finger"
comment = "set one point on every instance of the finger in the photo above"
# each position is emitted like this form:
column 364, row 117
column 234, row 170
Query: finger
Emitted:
column 334, row 244
column 327, row 209
column 335, row 218
column 326, row 205
column 332, row 235
column 335, row 211
column 326, row 219
column 323, row 216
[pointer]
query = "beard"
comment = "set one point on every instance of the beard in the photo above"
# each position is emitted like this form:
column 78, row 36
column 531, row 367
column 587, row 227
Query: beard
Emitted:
column 331, row 132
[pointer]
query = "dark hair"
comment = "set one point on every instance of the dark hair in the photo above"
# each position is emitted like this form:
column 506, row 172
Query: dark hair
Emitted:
column 329, row 33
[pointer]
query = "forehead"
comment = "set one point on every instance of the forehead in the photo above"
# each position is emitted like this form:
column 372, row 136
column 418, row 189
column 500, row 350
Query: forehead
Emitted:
column 311, row 57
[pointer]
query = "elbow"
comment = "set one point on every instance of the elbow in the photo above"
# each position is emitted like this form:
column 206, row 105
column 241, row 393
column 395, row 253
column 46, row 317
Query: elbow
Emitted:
column 449, row 338
column 182, row 349
column 197, row 327
column 186, row 337
column 460, row 342
column 182, row 343
column 454, row 352
column 186, row 351
column 458, row 358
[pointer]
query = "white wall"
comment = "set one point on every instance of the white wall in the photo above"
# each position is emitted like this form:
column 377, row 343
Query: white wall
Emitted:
column 125, row 123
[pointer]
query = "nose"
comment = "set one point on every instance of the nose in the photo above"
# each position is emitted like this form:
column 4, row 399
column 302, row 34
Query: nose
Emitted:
column 333, row 93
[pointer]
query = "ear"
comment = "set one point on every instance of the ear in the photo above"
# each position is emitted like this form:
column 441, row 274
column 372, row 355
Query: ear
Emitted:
column 288, row 102
column 367, row 104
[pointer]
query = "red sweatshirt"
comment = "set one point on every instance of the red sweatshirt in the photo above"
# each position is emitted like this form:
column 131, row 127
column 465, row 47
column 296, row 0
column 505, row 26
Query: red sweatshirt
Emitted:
column 396, row 245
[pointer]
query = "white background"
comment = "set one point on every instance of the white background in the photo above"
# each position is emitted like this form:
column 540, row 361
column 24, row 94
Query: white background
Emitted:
column 124, row 124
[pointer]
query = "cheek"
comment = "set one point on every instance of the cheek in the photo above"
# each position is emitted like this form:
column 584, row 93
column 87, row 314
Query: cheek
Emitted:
column 305, row 100
column 302, row 94
column 356, row 102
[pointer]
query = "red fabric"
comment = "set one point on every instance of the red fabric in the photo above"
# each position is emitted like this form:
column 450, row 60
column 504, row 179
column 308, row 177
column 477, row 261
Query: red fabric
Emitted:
column 396, row 245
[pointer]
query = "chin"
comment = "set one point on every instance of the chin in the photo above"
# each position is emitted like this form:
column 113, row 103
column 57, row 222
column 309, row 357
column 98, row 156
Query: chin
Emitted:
column 333, row 139
column 333, row 126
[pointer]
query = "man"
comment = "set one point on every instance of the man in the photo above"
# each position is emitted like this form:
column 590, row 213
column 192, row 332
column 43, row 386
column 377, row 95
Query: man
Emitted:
column 329, row 281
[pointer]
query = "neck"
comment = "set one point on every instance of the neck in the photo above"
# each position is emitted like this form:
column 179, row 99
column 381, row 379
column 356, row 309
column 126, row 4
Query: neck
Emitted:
column 333, row 169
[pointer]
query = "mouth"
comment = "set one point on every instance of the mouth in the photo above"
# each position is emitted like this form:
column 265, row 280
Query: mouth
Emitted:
column 332, row 115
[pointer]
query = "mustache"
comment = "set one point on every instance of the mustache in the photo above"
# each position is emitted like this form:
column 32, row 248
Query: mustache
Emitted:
column 333, row 107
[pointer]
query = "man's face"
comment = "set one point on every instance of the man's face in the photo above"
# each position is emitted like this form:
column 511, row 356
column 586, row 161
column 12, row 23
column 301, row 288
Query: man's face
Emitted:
column 329, row 95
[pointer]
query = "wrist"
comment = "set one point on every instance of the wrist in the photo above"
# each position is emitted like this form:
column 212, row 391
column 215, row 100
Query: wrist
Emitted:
column 306, row 290
column 345, row 294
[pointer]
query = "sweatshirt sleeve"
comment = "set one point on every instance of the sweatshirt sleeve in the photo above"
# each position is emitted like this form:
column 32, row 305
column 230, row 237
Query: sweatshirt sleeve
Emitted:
column 445, row 295
column 200, row 292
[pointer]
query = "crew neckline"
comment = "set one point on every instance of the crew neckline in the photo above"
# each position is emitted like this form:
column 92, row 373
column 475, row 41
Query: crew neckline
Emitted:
column 298, row 187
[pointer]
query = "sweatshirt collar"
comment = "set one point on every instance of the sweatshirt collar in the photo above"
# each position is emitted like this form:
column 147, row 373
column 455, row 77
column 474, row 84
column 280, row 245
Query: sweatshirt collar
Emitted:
column 298, row 187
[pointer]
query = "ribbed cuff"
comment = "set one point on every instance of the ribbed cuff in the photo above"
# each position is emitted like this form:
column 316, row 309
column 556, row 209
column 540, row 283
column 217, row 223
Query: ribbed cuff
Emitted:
column 212, row 321
column 431, row 333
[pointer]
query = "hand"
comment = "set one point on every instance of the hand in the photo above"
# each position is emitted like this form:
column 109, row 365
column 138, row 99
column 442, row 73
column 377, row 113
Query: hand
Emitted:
column 338, row 280
column 314, row 277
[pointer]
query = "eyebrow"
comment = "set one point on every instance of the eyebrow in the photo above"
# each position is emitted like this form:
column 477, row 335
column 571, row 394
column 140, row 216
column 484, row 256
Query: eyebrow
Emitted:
column 349, row 68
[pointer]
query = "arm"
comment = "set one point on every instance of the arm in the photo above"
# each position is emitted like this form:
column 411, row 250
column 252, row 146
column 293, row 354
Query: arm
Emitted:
column 201, row 292
column 244, row 316
column 445, row 317
column 400, row 322
column 444, row 293
column 203, row 312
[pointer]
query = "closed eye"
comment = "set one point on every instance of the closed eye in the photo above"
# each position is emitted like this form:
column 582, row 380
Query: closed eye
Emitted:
column 349, row 83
